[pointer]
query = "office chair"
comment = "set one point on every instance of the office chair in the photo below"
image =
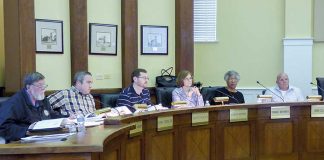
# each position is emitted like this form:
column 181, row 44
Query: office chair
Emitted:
column 208, row 92
column 164, row 95
column 109, row 99
column 320, row 83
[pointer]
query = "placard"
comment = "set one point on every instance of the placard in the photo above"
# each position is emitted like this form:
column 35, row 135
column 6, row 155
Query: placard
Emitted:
column 164, row 123
column 199, row 118
column 280, row 112
column 317, row 111
column 138, row 129
column 238, row 115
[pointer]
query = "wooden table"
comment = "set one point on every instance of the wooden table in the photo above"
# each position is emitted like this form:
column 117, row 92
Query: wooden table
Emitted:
column 260, row 137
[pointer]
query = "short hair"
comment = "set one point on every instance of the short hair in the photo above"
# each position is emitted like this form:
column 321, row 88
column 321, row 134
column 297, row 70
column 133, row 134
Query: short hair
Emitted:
column 79, row 76
column 231, row 73
column 181, row 76
column 137, row 72
column 32, row 77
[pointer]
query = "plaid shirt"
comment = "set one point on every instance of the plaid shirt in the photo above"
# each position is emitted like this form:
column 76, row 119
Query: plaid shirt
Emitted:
column 72, row 101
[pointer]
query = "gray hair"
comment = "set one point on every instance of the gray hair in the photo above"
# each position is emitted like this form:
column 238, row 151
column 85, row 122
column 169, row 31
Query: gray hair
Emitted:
column 32, row 77
column 79, row 76
column 230, row 74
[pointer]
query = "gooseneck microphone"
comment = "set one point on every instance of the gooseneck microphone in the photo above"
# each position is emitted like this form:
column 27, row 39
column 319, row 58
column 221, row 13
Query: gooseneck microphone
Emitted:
column 318, row 87
column 103, row 104
column 270, row 91
column 228, row 95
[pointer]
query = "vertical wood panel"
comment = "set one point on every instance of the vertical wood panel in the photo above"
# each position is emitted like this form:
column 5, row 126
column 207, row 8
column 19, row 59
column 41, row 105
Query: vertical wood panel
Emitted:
column 129, row 36
column 79, row 36
column 184, row 35
column 19, row 31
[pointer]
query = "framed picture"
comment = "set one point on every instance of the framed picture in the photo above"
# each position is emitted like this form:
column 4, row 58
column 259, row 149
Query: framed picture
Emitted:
column 49, row 36
column 154, row 40
column 103, row 39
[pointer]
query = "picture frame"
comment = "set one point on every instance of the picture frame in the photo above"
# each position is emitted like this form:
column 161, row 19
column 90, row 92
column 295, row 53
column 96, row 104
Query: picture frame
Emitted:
column 49, row 36
column 154, row 40
column 103, row 39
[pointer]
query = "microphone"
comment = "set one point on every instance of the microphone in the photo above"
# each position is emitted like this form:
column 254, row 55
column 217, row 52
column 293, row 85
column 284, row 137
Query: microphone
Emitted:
column 105, row 105
column 227, row 95
column 318, row 87
column 270, row 91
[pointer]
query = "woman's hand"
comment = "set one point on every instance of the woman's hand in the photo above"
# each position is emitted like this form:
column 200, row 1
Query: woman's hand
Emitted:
column 196, row 90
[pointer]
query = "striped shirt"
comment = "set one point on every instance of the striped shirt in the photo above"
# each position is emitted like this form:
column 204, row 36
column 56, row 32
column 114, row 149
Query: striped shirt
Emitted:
column 72, row 101
column 128, row 97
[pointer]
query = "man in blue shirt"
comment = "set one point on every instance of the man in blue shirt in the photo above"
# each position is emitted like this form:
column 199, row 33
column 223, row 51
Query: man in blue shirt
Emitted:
column 136, row 93
column 27, row 106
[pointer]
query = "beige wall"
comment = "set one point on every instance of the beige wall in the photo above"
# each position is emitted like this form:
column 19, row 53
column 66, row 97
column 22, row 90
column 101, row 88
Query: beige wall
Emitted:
column 250, row 34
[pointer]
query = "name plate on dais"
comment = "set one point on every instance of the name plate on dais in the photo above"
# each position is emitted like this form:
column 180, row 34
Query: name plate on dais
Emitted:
column 199, row 118
column 317, row 111
column 138, row 129
column 238, row 115
column 164, row 123
column 280, row 112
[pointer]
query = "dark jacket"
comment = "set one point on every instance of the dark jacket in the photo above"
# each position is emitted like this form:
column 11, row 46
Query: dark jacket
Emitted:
column 18, row 113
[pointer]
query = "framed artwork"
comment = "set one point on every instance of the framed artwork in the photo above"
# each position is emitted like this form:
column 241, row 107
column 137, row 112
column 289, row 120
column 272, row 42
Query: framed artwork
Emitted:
column 154, row 40
column 49, row 36
column 103, row 39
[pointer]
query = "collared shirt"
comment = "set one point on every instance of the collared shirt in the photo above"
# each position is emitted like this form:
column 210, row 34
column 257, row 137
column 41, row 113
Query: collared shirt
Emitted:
column 293, row 94
column 179, row 94
column 72, row 101
column 18, row 113
column 128, row 97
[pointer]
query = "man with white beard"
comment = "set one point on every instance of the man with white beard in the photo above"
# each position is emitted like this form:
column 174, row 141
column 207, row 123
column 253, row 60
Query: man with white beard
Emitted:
column 27, row 106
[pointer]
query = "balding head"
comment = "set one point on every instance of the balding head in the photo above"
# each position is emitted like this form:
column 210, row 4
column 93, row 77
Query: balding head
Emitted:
column 283, row 81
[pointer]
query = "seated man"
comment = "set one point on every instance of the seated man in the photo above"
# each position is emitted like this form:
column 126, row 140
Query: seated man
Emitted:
column 77, row 99
column 136, row 93
column 284, row 92
column 27, row 106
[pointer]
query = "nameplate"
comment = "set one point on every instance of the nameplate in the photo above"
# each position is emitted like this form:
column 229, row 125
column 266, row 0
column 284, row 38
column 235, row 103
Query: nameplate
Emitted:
column 164, row 123
column 238, row 115
column 280, row 112
column 317, row 111
column 138, row 129
column 199, row 118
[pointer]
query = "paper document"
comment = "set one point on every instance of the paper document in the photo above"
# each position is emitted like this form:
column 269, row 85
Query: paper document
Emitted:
column 46, row 137
column 48, row 124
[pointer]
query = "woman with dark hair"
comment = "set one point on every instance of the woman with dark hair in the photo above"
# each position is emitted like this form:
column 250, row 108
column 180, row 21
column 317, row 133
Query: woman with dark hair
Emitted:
column 186, row 92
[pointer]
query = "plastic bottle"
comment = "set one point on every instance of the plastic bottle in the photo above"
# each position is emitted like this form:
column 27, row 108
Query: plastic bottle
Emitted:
column 80, row 123
column 207, row 104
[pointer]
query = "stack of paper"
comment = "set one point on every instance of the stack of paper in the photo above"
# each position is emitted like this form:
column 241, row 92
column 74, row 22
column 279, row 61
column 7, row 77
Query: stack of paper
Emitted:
column 51, row 137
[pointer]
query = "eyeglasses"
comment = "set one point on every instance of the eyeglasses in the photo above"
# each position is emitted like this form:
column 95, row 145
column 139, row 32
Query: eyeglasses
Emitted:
column 41, row 86
column 146, row 78
column 189, row 79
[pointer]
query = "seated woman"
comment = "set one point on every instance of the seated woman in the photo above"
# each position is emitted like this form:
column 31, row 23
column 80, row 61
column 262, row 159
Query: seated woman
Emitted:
column 231, row 78
column 186, row 92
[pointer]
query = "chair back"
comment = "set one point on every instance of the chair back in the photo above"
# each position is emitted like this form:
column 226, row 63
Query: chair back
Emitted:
column 208, row 92
column 109, row 99
column 320, row 83
column 164, row 95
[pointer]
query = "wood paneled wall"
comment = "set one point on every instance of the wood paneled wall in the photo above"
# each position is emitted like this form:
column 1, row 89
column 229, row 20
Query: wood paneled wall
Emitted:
column 20, row 56
column 19, row 26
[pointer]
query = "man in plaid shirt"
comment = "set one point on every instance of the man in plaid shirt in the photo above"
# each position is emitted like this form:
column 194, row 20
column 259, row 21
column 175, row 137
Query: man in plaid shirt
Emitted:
column 77, row 99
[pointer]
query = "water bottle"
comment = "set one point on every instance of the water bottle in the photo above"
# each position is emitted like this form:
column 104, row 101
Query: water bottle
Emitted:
column 207, row 104
column 80, row 123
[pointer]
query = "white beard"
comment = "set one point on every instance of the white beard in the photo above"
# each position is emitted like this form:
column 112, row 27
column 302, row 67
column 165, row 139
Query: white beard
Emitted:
column 38, row 97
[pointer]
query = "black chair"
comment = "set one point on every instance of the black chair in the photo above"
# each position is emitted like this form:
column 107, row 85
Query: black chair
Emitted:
column 208, row 92
column 320, row 85
column 109, row 99
column 164, row 95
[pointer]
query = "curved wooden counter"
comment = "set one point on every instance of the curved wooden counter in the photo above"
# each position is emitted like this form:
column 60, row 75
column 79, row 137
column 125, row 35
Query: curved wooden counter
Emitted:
column 260, row 137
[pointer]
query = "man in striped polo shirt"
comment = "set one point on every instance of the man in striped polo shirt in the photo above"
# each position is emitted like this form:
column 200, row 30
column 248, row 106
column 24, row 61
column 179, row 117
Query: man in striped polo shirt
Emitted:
column 136, row 93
